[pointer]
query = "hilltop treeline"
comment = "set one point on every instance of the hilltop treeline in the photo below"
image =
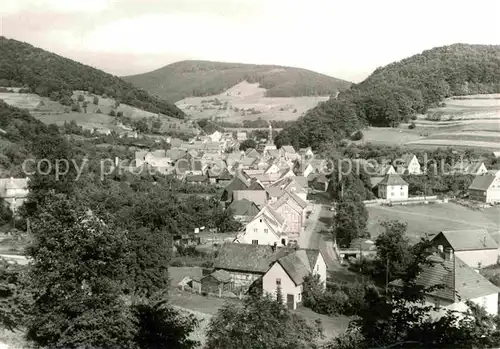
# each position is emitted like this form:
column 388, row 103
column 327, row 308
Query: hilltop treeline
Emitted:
column 398, row 91
column 203, row 78
column 56, row 77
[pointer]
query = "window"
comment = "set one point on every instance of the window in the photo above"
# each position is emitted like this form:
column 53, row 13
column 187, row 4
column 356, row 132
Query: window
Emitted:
column 437, row 302
column 255, row 242
column 266, row 230
column 299, row 297
column 278, row 282
column 317, row 267
column 254, row 230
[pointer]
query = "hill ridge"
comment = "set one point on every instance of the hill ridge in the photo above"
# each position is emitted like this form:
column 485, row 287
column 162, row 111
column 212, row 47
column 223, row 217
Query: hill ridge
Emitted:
column 51, row 75
column 200, row 78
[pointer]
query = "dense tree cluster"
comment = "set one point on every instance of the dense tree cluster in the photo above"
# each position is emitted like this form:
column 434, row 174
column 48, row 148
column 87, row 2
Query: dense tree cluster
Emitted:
column 202, row 78
column 398, row 91
column 56, row 77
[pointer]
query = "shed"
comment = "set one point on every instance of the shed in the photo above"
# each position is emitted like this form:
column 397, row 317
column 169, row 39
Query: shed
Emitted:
column 217, row 282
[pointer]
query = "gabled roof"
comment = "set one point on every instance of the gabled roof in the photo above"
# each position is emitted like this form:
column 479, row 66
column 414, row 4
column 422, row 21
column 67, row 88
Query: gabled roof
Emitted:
column 220, row 275
column 251, row 152
column 302, row 181
column 482, row 182
column 255, row 185
column 244, row 207
column 275, row 192
column 454, row 275
column 296, row 265
column 289, row 196
column 468, row 240
column 248, row 257
column 393, row 179
column 175, row 153
column 246, row 161
column 270, row 212
column 406, row 159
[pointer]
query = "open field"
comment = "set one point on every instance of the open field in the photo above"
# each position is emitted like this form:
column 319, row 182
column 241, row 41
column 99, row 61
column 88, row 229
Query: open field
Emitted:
column 433, row 218
column 246, row 101
column 468, row 121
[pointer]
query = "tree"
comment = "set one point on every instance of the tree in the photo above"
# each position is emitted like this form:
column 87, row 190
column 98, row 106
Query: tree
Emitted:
column 119, row 114
column 76, row 279
column 350, row 220
column 112, row 113
column 260, row 323
column 81, row 98
column 393, row 250
column 95, row 100
column 161, row 326
column 5, row 212
column 248, row 143
column 85, row 105
column 76, row 107
column 14, row 301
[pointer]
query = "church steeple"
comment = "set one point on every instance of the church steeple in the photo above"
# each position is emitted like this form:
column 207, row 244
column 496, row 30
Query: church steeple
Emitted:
column 270, row 137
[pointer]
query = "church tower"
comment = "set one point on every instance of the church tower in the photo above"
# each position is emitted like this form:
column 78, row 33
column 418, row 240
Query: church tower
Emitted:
column 270, row 137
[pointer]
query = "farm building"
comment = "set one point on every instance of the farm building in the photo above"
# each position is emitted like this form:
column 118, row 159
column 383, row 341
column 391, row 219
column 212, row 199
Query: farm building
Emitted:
column 485, row 188
column 243, row 210
column 270, row 267
column 460, row 283
column 217, row 282
column 408, row 164
column 476, row 248
column 472, row 168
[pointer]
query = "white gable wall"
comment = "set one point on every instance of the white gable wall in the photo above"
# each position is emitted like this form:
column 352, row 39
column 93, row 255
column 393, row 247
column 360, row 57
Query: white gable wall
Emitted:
column 320, row 269
column 414, row 166
column 489, row 303
column 259, row 230
column 269, row 285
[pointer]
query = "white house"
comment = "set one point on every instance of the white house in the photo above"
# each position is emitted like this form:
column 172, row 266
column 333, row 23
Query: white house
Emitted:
column 216, row 136
column 14, row 191
column 476, row 247
column 266, row 228
column 485, row 188
column 393, row 188
column 458, row 282
column 287, row 274
column 408, row 164
column 475, row 168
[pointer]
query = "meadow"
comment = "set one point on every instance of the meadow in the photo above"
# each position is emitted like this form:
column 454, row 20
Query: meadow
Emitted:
column 246, row 101
column 466, row 121
column 51, row 112
column 433, row 218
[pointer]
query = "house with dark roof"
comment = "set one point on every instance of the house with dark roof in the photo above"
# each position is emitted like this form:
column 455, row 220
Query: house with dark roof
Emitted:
column 288, row 272
column 254, row 192
column 275, row 266
column 243, row 210
column 485, row 188
column 393, row 188
column 455, row 282
column 318, row 181
column 475, row 168
column 276, row 189
column 474, row 247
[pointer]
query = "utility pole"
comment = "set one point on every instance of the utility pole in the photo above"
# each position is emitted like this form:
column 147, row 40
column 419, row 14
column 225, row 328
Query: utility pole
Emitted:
column 386, row 275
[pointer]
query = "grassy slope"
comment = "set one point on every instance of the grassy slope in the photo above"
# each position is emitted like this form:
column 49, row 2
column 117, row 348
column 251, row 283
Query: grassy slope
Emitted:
column 202, row 78
column 433, row 218
column 51, row 112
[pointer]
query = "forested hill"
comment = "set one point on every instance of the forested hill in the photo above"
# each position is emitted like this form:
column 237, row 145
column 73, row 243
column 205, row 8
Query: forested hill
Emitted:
column 51, row 75
column 203, row 78
column 401, row 89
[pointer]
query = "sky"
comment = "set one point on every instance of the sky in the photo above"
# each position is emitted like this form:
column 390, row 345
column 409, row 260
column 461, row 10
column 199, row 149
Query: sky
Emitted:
column 347, row 39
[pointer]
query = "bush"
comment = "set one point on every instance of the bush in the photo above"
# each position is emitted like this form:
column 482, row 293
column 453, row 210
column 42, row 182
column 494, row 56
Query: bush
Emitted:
column 81, row 98
column 119, row 114
column 112, row 113
column 412, row 126
column 76, row 108
column 98, row 111
column 95, row 100
column 177, row 263
column 414, row 117
column 358, row 135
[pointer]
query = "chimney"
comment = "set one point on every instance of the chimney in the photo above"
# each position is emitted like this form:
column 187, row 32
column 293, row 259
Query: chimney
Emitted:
column 448, row 254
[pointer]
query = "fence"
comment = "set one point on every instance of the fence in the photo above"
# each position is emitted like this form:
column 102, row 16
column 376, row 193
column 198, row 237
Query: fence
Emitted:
column 410, row 200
